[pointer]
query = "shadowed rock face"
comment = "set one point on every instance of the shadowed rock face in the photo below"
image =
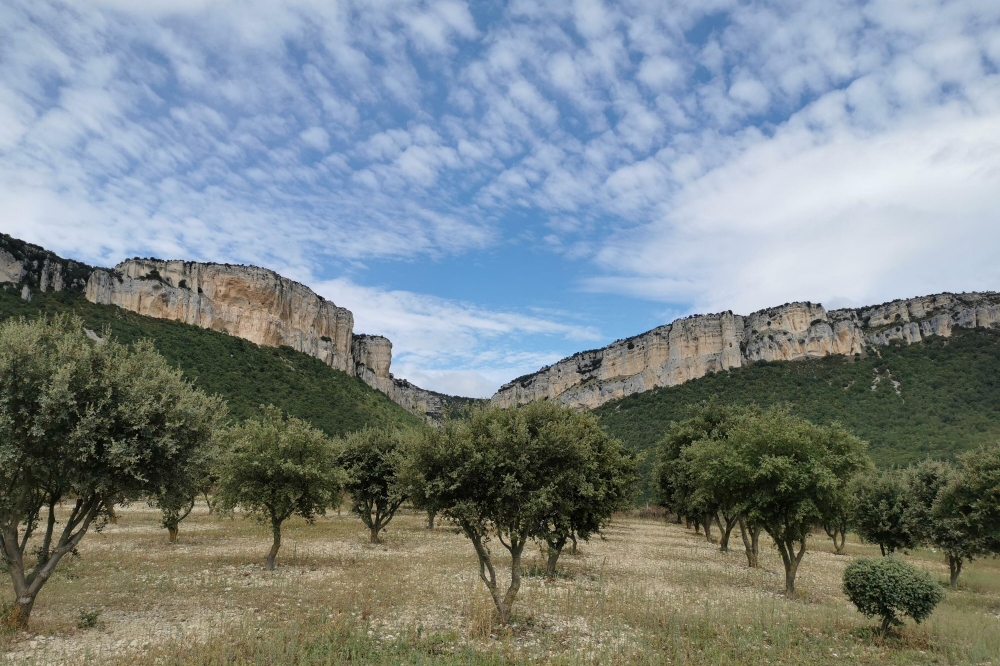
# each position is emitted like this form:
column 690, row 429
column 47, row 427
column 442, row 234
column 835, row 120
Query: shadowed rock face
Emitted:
column 693, row 347
column 260, row 306
column 34, row 268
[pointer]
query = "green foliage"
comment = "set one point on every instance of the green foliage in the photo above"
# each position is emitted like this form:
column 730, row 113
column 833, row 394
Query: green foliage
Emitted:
column 678, row 486
column 949, row 398
column 94, row 424
column 88, row 619
column 885, row 510
column 888, row 587
column 504, row 474
column 600, row 482
column 243, row 373
column 276, row 467
column 783, row 472
column 965, row 516
column 373, row 462
column 195, row 477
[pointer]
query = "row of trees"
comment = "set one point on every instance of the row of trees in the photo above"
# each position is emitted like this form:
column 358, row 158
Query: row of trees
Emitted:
column 759, row 470
column 954, row 507
column 101, row 424
column 764, row 469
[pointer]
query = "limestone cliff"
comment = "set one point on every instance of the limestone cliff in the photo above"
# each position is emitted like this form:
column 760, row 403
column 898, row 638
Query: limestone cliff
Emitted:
column 246, row 301
column 28, row 268
column 258, row 305
column 695, row 346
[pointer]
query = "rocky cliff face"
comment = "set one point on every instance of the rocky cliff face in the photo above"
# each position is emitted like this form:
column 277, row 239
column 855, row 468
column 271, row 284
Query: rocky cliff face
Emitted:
column 249, row 302
column 261, row 306
column 372, row 357
column 30, row 268
column 693, row 347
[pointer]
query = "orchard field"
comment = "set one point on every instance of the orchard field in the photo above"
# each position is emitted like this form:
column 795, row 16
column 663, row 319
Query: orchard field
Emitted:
column 652, row 592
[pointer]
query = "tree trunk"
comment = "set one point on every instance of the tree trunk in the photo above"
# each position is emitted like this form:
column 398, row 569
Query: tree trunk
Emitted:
column 573, row 537
column 276, row 529
column 373, row 534
column 838, row 548
column 27, row 584
column 172, row 533
column 791, row 560
column 886, row 624
column 21, row 612
column 750, row 535
column 208, row 502
column 955, row 568
column 882, row 548
column 708, row 529
column 430, row 518
column 724, row 539
column 554, row 551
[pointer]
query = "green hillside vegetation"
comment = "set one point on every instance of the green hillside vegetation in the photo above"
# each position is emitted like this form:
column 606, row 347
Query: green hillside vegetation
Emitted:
column 245, row 374
column 947, row 400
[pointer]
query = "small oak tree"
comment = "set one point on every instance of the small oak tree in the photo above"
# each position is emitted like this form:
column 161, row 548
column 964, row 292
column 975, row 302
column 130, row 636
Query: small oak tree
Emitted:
column 680, row 489
column 96, row 425
column 887, row 587
column 176, row 499
column 965, row 516
column 373, row 462
column 498, row 475
column 786, row 473
column 884, row 510
column 277, row 467
column 602, row 482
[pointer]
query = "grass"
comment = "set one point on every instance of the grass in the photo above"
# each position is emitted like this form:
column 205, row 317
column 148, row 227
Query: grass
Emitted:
column 650, row 593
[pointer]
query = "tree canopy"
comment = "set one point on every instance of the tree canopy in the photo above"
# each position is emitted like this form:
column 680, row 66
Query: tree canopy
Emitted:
column 95, row 424
column 276, row 467
column 783, row 472
column 373, row 460
column 505, row 475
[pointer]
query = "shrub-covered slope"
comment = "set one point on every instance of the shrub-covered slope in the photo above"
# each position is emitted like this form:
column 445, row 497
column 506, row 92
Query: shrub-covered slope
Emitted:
column 935, row 398
column 245, row 374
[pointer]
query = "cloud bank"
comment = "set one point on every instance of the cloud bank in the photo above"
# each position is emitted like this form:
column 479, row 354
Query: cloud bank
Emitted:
column 695, row 156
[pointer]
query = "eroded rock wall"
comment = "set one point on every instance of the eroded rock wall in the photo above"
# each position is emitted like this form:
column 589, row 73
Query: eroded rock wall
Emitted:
column 261, row 306
column 246, row 301
column 693, row 347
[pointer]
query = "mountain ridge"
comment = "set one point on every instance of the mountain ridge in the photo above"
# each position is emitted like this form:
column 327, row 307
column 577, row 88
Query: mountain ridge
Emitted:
column 697, row 345
column 247, row 301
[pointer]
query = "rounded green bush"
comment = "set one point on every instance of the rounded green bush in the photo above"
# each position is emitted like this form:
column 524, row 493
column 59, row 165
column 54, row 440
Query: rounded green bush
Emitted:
column 887, row 587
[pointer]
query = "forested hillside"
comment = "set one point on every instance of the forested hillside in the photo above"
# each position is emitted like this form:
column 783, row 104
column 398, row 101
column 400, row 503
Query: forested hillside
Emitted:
column 935, row 398
column 245, row 374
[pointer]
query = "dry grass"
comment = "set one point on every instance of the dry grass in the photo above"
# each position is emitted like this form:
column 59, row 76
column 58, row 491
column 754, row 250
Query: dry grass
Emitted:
column 650, row 593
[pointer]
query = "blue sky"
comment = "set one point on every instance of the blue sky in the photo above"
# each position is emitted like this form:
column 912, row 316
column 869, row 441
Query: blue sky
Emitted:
column 497, row 185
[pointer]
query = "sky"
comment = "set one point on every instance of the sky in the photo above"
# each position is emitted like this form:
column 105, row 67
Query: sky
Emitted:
column 496, row 185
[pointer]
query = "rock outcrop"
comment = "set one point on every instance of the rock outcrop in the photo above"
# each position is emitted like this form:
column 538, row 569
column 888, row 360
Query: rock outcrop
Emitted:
column 695, row 346
column 258, row 305
column 252, row 303
column 33, row 268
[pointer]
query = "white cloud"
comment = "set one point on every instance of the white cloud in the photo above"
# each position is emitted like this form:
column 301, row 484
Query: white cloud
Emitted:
column 448, row 345
column 839, row 150
column 316, row 138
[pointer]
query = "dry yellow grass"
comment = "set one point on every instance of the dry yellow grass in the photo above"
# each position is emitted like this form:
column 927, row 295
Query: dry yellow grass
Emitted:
column 649, row 593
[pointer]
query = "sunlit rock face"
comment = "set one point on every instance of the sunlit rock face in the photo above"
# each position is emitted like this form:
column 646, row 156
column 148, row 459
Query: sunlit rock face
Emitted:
column 372, row 358
column 693, row 347
column 260, row 306
column 246, row 301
